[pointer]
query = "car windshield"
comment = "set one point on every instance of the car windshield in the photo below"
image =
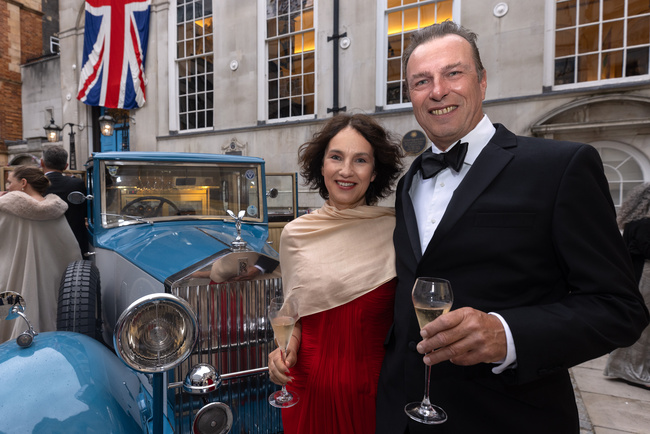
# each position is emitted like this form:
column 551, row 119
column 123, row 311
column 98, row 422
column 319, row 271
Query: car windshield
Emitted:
column 153, row 191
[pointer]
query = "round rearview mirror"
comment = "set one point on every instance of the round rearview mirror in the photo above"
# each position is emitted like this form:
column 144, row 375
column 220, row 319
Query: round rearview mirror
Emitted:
column 273, row 193
column 77, row 197
column 10, row 303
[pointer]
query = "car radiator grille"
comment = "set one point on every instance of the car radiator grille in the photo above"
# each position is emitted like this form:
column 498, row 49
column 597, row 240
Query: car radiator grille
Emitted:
column 235, row 337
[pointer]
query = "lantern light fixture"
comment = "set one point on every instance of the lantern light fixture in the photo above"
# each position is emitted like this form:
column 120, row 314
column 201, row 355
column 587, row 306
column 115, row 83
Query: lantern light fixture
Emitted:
column 54, row 134
column 106, row 125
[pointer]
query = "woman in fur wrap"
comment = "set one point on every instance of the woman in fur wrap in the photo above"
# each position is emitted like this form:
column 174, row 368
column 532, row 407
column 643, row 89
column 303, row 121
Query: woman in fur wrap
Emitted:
column 37, row 245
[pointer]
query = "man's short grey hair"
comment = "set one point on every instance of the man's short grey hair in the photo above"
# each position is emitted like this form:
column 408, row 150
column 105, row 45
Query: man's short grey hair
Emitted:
column 55, row 157
column 440, row 30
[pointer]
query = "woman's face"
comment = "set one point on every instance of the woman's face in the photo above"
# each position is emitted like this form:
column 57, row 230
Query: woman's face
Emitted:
column 348, row 169
column 13, row 184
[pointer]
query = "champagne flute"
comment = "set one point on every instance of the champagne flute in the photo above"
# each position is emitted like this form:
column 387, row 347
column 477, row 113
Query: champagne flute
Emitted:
column 432, row 297
column 283, row 315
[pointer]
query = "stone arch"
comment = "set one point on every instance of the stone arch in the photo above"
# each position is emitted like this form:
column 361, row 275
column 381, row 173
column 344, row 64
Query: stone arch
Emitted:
column 617, row 125
column 609, row 112
column 24, row 159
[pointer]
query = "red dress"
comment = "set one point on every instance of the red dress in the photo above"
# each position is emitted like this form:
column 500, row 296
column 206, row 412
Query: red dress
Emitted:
column 338, row 366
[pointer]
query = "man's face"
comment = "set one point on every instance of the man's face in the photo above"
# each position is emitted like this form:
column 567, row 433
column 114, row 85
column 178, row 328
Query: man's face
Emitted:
column 445, row 90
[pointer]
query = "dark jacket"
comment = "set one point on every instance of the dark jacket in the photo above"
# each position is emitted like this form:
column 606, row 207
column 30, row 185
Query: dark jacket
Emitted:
column 531, row 234
column 62, row 185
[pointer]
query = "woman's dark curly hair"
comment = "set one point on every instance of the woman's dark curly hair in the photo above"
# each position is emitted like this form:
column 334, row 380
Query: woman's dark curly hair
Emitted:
column 387, row 154
column 34, row 177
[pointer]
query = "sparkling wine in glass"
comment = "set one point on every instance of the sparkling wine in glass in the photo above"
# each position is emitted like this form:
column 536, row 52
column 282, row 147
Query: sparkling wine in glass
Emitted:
column 283, row 315
column 432, row 297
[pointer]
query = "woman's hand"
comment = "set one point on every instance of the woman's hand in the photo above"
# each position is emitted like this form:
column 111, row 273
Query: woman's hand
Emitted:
column 279, row 369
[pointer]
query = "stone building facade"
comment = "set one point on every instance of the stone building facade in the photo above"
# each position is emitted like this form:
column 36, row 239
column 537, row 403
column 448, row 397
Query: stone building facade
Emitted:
column 265, row 74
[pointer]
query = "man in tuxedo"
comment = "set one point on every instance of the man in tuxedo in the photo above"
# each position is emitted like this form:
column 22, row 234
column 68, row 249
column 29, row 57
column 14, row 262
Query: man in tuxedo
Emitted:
column 525, row 231
column 53, row 163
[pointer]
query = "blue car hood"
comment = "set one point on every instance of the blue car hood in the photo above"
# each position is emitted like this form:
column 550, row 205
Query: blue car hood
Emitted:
column 66, row 382
column 165, row 248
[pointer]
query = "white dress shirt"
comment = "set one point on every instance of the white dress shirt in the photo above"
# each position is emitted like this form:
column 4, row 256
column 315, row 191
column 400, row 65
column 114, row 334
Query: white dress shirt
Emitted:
column 431, row 197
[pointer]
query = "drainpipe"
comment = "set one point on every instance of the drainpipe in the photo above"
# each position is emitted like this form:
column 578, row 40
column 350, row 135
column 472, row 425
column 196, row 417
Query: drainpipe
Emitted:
column 335, row 37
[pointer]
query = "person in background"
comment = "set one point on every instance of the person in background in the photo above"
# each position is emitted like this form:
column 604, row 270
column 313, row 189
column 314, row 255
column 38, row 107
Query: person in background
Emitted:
column 632, row 364
column 339, row 263
column 37, row 246
column 53, row 163
column 525, row 230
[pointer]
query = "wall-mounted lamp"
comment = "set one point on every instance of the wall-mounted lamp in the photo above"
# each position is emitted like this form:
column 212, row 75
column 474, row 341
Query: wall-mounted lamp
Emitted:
column 107, row 127
column 54, row 133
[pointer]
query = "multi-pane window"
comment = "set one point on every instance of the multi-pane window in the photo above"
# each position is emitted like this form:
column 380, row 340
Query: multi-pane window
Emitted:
column 601, row 40
column 623, row 172
column 291, row 58
column 194, row 60
column 403, row 17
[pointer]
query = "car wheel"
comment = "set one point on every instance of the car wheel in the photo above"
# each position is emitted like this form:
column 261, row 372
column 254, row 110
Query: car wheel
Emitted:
column 79, row 307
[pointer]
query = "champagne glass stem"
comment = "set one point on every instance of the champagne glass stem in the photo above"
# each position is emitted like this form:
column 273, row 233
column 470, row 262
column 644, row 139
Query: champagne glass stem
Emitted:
column 283, row 356
column 426, row 404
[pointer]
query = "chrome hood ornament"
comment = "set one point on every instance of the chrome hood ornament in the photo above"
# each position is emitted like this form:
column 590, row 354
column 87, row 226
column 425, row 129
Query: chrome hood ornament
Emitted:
column 238, row 245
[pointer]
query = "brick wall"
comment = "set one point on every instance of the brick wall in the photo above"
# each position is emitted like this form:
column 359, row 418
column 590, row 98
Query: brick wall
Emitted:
column 20, row 40
column 31, row 33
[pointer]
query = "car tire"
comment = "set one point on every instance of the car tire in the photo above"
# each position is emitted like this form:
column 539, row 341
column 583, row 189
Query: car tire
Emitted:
column 79, row 305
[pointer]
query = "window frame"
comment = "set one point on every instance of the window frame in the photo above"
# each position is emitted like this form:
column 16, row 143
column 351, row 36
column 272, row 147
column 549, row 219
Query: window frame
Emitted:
column 263, row 73
column 173, row 73
column 549, row 56
column 55, row 45
column 382, row 48
column 634, row 154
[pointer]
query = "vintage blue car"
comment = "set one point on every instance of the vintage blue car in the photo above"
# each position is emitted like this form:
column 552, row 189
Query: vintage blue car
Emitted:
column 163, row 327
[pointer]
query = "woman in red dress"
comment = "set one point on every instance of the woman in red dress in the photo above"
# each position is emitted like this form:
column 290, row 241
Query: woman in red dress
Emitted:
column 339, row 264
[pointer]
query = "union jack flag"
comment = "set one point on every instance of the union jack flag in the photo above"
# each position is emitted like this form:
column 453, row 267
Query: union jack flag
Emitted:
column 115, row 46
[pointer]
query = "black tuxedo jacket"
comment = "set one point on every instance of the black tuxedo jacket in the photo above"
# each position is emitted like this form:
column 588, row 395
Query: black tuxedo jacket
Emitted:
column 530, row 233
column 62, row 185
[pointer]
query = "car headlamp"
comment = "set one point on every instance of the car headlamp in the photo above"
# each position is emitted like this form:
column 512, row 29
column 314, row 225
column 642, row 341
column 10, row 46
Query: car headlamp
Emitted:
column 155, row 333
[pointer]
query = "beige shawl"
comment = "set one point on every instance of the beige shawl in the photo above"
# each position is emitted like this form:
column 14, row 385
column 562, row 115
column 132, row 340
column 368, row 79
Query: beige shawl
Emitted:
column 331, row 257
column 36, row 245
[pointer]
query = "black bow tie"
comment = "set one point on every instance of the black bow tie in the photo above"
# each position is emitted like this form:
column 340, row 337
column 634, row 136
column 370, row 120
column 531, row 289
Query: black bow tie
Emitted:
column 432, row 163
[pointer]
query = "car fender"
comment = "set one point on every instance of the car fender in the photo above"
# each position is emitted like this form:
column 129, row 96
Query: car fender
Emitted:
column 66, row 382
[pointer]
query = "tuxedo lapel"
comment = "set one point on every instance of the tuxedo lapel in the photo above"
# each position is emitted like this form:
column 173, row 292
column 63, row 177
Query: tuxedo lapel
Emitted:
column 490, row 162
column 409, row 212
